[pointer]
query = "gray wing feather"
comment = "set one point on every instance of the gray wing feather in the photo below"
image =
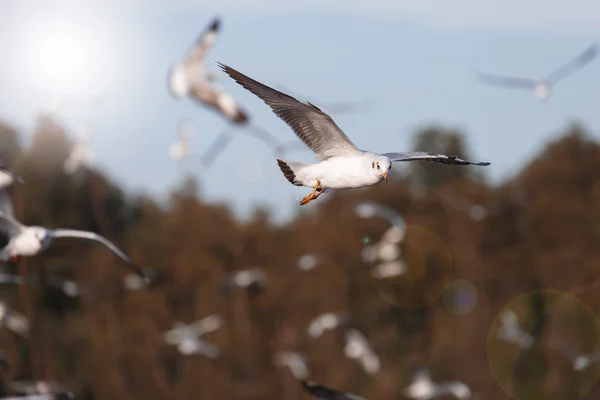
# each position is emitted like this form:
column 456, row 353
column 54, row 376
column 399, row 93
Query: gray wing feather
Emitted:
column 512, row 83
column 582, row 59
column 9, row 225
column 314, row 127
column 94, row 237
column 432, row 157
column 565, row 348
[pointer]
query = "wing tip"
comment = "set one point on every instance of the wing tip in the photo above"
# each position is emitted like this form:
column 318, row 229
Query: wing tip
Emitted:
column 215, row 25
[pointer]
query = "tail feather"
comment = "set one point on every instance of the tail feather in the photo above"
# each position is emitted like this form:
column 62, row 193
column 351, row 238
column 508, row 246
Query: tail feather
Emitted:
column 287, row 167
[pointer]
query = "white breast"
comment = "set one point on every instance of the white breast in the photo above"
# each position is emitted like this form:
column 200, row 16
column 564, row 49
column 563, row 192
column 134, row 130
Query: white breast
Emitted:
column 341, row 173
column 26, row 244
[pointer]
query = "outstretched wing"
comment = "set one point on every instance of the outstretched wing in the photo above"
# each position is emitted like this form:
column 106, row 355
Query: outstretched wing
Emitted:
column 432, row 157
column 564, row 348
column 506, row 81
column 314, row 127
column 204, row 42
column 9, row 225
column 94, row 237
column 582, row 59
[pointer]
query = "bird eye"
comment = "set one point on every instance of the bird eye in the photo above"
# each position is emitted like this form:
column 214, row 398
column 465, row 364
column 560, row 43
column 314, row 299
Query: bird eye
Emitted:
column 377, row 165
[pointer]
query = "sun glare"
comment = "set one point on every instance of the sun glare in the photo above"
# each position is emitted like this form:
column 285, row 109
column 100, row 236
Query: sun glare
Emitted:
column 60, row 54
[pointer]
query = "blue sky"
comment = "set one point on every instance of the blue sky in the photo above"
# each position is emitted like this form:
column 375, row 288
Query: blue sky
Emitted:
column 416, row 60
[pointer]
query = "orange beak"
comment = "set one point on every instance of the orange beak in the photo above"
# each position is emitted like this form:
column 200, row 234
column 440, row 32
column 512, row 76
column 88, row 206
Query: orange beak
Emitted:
column 384, row 175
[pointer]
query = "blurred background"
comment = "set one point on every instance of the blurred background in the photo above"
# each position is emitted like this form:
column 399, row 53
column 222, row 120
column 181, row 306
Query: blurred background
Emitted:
column 522, row 234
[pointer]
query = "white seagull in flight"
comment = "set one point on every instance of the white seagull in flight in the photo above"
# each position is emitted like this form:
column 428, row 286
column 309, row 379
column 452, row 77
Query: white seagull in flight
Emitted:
column 342, row 165
column 31, row 240
column 510, row 330
column 423, row 388
column 542, row 88
column 325, row 322
column 190, row 78
column 580, row 361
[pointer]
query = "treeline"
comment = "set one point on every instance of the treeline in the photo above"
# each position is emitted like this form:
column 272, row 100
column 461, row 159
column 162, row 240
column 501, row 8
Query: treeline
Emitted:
column 540, row 230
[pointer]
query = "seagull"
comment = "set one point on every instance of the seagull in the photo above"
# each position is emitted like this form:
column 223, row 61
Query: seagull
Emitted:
column 190, row 78
column 80, row 154
column 358, row 348
column 249, row 278
column 180, row 149
column 31, row 240
column 580, row 361
column 390, row 269
column 327, row 321
column 308, row 261
column 296, row 362
column 342, row 165
column 38, row 387
column 423, row 388
column 324, row 393
column 370, row 209
column 387, row 248
column 542, row 88
column 14, row 321
column 511, row 332
column 187, row 336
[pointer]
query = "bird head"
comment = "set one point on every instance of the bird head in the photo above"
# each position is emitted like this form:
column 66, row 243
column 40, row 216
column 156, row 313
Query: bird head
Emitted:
column 382, row 166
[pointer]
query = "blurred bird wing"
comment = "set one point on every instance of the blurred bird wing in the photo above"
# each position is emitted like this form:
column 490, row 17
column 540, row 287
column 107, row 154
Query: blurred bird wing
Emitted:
column 565, row 348
column 433, row 157
column 509, row 82
column 203, row 43
column 325, row 393
column 10, row 225
column 6, row 204
column 314, row 127
column 205, row 325
column 567, row 69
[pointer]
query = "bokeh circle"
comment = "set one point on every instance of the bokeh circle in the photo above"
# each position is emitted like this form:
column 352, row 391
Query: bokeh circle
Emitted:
column 460, row 297
column 536, row 367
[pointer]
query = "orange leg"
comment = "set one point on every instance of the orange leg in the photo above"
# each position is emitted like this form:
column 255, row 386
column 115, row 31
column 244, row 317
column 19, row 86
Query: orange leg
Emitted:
column 307, row 199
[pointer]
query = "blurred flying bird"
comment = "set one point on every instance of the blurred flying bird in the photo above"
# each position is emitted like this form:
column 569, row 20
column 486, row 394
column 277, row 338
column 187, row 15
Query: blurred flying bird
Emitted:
column 389, row 269
column 423, row 388
column 187, row 336
column 251, row 278
column 342, row 165
column 14, row 321
column 324, row 393
column 327, row 321
column 580, row 361
column 358, row 348
column 190, row 78
column 31, row 240
column 38, row 387
column 308, row 261
column 278, row 147
column 370, row 209
column 510, row 330
column 80, row 154
column 542, row 88
column 296, row 362
column 180, row 149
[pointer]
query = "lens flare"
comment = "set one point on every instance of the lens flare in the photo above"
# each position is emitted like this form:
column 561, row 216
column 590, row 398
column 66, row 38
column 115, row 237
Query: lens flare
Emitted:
column 460, row 297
